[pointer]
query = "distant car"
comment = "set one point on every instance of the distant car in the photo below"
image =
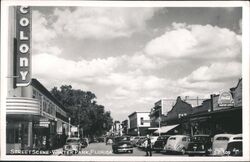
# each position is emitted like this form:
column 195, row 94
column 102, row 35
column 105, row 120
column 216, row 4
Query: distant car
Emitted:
column 220, row 143
column 199, row 145
column 84, row 142
column 177, row 144
column 140, row 141
column 160, row 143
column 109, row 140
column 234, row 147
column 134, row 140
column 100, row 139
column 153, row 140
column 122, row 144
column 72, row 146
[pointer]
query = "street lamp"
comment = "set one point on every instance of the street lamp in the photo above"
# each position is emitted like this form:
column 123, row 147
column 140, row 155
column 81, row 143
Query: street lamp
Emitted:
column 69, row 127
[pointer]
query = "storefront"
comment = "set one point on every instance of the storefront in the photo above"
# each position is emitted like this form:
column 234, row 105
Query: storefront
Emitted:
column 36, row 120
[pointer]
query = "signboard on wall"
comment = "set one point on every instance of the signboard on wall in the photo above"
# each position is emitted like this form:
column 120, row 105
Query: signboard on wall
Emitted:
column 23, row 45
column 225, row 100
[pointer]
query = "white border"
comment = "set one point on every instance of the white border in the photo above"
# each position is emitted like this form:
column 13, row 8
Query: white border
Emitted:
column 245, row 74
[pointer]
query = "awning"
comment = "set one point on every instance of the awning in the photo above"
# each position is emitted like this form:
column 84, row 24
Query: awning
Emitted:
column 165, row 129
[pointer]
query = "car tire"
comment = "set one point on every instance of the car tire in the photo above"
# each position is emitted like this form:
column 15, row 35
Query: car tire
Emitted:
column 131, row 151
column 183, row 151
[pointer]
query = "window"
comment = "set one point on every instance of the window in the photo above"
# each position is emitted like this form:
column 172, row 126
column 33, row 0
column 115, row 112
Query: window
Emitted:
column 142, row 121
column 222, row 138
column 172, row 138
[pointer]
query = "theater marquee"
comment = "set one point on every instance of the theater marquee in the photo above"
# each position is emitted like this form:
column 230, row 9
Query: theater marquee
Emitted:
column 23, row 45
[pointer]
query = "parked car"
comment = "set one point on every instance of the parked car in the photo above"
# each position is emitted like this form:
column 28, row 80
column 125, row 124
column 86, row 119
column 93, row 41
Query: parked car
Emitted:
column 72, row 146
column 134, row 140
column 84, row 142
column 122, row 144
column 234, row 147
column 220, row 143
column 100, row 139
column 109, row 140
column 199, row 145
column 153, row 140
column 160, row 143
column 140, row 141
column 177, row 144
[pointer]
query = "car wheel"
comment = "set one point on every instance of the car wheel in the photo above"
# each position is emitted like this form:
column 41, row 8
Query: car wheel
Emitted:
column 131, row 151
column 183, row 151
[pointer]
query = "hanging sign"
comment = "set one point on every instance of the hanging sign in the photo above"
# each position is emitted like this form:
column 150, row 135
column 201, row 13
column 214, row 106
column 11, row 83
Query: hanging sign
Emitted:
column 23, row 45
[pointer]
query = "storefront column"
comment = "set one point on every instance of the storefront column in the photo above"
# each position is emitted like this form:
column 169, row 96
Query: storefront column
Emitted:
column 30, row 135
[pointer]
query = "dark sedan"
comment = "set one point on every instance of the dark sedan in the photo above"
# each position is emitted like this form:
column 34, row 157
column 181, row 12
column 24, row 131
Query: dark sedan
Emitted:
column 199, row 145
column 160, row 143
column 122, row 144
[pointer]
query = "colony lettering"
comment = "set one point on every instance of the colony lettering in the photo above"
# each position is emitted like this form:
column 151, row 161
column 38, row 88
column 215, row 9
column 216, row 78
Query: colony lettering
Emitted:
column 23, row 37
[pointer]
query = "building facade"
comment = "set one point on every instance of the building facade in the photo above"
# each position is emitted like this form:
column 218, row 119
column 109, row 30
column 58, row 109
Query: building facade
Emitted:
column 34, row 118
column 139, row 122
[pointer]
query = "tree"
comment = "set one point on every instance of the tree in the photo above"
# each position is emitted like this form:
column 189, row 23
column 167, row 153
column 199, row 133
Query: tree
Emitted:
column 84, row 111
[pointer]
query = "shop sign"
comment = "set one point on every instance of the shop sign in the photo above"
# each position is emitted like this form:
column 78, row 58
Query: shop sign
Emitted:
column 225, row 100
column 74, row 129
column 23, row 46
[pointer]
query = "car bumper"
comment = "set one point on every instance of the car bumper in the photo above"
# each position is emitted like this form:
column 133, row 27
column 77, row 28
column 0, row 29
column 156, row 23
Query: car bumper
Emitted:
column 124, row 149
column 196, row 152
column 157, row 149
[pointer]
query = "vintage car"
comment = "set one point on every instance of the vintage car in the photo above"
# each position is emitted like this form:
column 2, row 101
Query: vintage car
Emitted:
column 160, row 143
column 199, row 145
column 234, row 146
column 177, row 144
column 72, row 146
column 122, row 144
column 144, row 143
column 84, row 142
column 140, row 141
column 220, row 143
column 134, row 140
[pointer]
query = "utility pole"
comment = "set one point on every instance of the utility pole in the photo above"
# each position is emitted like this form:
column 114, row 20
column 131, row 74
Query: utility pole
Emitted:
column 159, row 123
column 69, row 128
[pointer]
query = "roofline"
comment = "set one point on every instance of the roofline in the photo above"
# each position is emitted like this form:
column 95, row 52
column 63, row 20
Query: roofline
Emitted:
column 137, row 112
column 36, row 84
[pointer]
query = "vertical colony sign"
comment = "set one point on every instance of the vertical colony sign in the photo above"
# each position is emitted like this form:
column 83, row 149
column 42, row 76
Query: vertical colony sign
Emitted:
column 23, row 45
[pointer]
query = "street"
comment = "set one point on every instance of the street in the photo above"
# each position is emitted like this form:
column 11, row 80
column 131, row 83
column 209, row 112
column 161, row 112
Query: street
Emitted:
column 101, row 149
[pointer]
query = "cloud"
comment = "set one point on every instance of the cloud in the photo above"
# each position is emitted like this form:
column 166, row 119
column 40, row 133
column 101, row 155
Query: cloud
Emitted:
column 101, row 23
column 42, row 35
column 55, row 67
column 216, row 72
column 210, row 79
column 195, row 41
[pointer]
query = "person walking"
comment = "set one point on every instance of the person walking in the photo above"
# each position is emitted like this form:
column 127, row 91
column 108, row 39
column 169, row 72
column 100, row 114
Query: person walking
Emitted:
column 148, row 146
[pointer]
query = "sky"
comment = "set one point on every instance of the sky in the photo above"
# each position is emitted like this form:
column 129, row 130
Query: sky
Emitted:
column 132, row 57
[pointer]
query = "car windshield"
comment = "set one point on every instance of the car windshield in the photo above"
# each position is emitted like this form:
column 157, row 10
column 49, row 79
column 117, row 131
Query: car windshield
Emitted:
column 73, row 141
column 172, row 138
column 222, row 138
column 122, row 139
column 199, row 138
column 232, row 145
column 162, row 138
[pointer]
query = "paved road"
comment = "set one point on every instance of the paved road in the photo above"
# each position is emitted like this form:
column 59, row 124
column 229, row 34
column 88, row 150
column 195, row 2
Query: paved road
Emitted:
column 101, row 149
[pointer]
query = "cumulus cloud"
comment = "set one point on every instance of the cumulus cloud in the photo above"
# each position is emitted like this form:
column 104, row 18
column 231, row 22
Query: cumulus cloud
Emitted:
column 59, row 68
column 200, row 41
column 42, row 35
column 101, row 23
column 213, row 77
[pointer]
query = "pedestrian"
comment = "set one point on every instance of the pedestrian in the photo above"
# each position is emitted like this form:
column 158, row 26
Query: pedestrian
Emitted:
column 148, row 146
